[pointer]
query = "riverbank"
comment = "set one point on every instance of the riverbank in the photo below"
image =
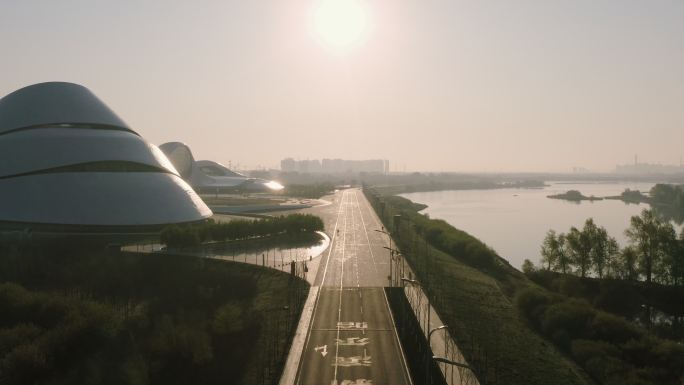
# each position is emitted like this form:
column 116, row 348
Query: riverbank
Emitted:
column 458, row 185
column 510, row 329
column 490, row 215
column 473, row 294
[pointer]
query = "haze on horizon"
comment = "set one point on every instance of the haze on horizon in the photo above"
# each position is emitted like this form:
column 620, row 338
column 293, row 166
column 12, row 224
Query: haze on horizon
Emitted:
column 430, row 85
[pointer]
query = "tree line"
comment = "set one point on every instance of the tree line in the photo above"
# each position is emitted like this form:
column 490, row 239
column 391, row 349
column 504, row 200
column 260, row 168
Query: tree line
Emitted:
column 194, row 234
column 311, row 191
column 668, row 201
column 654, row 252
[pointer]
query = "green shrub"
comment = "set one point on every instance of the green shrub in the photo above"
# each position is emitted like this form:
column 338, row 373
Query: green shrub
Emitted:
column 584, row 350
column 614, row 329
column 573, row 316
column 192, row 235
column 532, row 303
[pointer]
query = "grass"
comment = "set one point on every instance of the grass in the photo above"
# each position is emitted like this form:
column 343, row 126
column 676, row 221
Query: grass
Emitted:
column 238, row 201
column 490, row 331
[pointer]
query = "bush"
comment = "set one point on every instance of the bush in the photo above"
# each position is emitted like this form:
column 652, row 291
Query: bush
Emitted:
column 614, row 329
column 528, row 267
column 532, row 303
column 584, row 350
column 572, row 315
column 192, row 235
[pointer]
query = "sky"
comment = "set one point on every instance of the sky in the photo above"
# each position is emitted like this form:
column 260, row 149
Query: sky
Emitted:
column 468, row 86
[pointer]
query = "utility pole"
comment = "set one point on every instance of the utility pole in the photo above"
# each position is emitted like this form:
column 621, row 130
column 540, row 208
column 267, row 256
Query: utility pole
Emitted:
column 391, row 251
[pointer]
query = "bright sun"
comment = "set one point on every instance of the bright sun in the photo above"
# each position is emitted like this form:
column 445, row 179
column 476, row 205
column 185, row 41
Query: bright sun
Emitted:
column 340, row 24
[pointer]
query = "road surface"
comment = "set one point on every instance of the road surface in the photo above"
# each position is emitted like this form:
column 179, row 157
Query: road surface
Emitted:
column 351, row 339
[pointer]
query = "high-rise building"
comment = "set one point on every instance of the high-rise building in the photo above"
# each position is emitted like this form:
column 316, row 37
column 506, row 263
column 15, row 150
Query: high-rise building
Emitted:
column 333, row 166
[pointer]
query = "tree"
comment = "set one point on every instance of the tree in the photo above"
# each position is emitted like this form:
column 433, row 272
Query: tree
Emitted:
column 564, row 254
column 646, row 233
column 603, row 249
column 666, row 268
column 613, row 252
column 580, row 245
column 550, row 250
column 678, row 261
column 626, row 266
column 528, row 267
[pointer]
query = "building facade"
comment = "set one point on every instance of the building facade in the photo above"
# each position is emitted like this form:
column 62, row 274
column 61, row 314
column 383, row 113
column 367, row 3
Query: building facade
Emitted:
column 69, row 164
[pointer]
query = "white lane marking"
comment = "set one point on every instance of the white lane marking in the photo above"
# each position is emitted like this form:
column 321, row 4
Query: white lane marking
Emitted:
column 352, row 361
column 339, row 212
column 365, row 230
column 375, row 218
column 356, row 250
column 353, row 341
column 378, row 223
column 339, row 308
column 318, row 296
column 352, row 325
column 358, row 381
column 370, row 209
column 322, row 349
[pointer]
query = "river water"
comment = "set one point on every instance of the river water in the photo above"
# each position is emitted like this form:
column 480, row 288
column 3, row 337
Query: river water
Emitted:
column 514, row 221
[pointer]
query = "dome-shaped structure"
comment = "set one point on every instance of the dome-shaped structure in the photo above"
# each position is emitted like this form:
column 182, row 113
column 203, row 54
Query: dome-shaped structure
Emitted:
column 66, row 159
column 207, row 176
column 180, row 156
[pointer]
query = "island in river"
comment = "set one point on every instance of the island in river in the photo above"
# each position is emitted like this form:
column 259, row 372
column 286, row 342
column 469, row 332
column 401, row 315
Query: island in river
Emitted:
column 575, row 196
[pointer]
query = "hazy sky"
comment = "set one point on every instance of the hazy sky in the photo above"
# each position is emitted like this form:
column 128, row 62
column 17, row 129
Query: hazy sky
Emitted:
column 434, row 85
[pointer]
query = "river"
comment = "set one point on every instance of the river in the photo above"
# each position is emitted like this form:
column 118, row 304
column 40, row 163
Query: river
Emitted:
column 514, row 221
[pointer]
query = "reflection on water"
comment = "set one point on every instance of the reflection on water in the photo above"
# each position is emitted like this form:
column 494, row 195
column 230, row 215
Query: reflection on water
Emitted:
column 669, row 213
column 276, row 252
column 514, row 221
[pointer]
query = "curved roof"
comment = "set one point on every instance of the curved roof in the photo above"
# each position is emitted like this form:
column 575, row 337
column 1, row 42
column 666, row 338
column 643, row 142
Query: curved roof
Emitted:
column 59, row 147
column 67, row 159
column 207, row 175
column 222, row 170
column 53, row 104
column 100, row 199
column 180, row 156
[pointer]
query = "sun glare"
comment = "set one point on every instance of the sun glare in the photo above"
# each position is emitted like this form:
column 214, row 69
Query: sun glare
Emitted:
column 340, row 24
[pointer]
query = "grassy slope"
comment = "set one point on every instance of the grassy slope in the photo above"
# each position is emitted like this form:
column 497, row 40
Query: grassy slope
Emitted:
column 488, row 327
column 478, row 307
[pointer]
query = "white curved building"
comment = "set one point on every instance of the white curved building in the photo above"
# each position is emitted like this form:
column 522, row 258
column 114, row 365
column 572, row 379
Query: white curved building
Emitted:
column 68, row 163
column 207, row 176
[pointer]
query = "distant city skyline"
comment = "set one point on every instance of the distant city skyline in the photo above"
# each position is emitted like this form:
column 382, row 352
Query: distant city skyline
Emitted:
column 494, row 86
column 335, row 165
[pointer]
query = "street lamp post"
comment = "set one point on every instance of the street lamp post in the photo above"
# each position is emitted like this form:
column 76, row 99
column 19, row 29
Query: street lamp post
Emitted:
column 398, row 271
column 434, row 330
column 394, row 260
column 450, row 362
column 389, row 236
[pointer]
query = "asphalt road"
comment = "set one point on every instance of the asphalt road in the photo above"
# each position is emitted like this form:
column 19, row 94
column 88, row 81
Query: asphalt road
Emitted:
column 351, row 340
